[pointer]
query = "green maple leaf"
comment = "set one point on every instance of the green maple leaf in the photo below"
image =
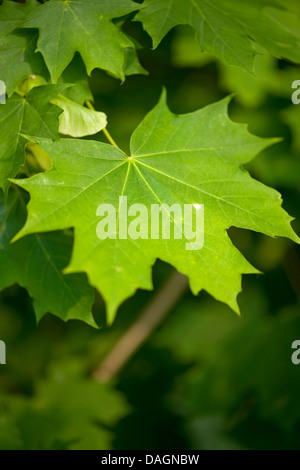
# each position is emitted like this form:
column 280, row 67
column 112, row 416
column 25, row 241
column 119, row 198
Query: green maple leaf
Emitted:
column 132, row 65
column 32, row 114
column 56, row 418
column 226, row 28
column 71, row 26
column 194, row 158
column 75, row 74
column 36, row 262
column 13, row 15
column 17, row 48
column 18, row 59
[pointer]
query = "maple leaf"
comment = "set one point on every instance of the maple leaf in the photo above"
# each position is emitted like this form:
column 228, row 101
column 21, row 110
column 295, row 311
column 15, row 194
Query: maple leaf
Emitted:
column 36, row 262
column 31, row 114
column 72, row 26
column 75, row 75
column 57, row 418
column 17, row 48
column 18, row 59
column 227, row 28
column 194, row 159
column 132, row 65
column 13, row 15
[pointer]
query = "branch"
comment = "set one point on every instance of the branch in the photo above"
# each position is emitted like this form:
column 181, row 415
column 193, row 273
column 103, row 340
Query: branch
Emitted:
column 157, row 309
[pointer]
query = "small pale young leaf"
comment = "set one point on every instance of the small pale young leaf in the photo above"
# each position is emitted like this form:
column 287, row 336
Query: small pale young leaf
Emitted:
column 227, row 28
column 78, row 121
column 36, row 263
column 192, row 159
column 31, row 82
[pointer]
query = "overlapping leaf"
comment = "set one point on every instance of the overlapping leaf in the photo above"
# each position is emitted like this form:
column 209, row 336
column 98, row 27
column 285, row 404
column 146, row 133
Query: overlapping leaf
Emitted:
column 187, row 159
column 75, row 74
column 71, row 26
column 18, row 59
column 226, row 28
column 13, row 15
column 36, row 262
column 33, row 114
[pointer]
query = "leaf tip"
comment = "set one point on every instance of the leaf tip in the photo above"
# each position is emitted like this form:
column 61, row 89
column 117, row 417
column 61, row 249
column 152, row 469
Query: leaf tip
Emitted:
column 17, row 237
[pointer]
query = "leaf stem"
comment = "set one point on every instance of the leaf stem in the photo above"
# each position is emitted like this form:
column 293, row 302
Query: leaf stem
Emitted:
column 105, row 131
column 109, row 137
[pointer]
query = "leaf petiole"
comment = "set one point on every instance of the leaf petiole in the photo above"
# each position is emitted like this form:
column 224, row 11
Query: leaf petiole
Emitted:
column 105, row 131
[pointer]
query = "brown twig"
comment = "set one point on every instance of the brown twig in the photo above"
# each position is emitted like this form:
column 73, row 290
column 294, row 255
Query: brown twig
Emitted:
column 157, row 309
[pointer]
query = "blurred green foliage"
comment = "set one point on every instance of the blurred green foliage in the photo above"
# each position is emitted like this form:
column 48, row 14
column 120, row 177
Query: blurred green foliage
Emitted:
column 206, row 379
